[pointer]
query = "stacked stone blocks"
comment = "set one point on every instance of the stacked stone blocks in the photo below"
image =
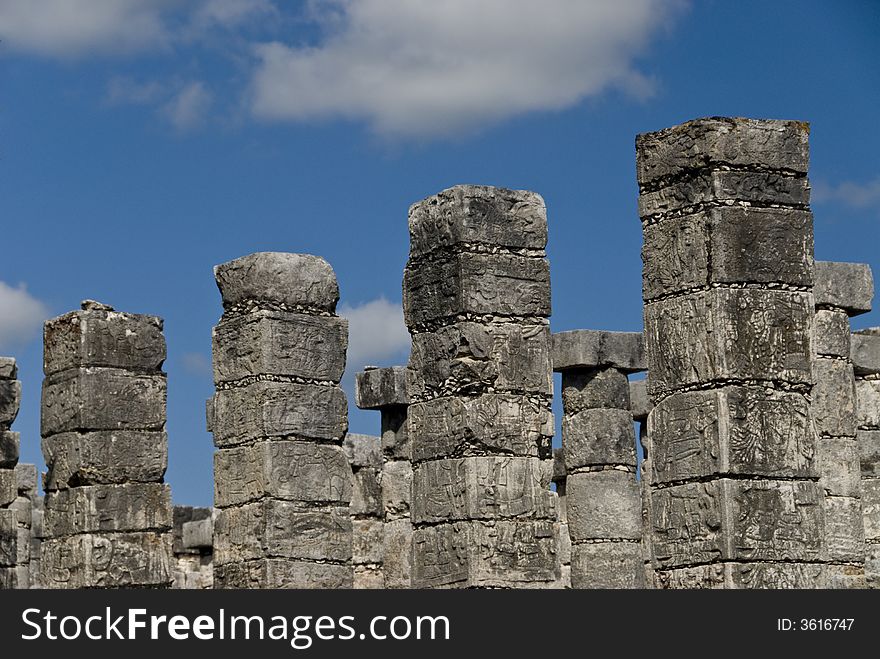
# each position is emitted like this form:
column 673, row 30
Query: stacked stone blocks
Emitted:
column 11, row 549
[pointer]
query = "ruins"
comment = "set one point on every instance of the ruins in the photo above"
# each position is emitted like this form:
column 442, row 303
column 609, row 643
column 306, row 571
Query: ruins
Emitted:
column 735, row 443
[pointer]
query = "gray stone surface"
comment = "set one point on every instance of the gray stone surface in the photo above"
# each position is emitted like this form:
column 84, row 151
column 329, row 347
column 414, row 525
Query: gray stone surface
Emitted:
column 10, row 444
column 834, row 398
column 376, row 388
column 397, row 489
column 869, row 453
column 8, row 368
column 591, row 388
column 603, row 505
column 594, row 348
column 10, row 399
column 865, row 353
column 640, row 403
column 847, row 286
column 199, row 534
column 366, row 494
column 597, row 437
column 868, row 403
column 367, row 541
column 26, row 479
column 607, row 565
column 108, row 508
column 282, row 573
column 363, row 450
column 838, row 461
column 832, row 337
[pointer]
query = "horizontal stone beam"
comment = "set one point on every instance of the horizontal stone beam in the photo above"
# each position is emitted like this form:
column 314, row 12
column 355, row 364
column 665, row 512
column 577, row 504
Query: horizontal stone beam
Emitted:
column 596, row 349
column 848, row 286
column 865, row 351
column 376, row 388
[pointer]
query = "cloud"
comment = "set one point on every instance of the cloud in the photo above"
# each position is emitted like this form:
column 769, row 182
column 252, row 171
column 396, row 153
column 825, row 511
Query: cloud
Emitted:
column 195, row 363
column 859, row 196
column 189, row 106
column 376, row 333
column 184, row 104
column 422, row 68
column 21, row 315
column 126, row 91
column 230, row 13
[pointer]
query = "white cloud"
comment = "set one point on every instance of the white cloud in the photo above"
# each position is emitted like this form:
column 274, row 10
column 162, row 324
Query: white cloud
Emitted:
column 126, row 91
column 230, row 13
column 855, row 195
column 21, row 315
column 426, row 68
column 376, row 333
column 189, row 106
column 195, row 363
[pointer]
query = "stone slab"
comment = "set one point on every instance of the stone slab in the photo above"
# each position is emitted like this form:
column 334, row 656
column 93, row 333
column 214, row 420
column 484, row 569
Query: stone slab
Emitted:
column 594, row 348
column 865, row 353
column 108, row 508
column 397, row 489
column 834, row 398
column 366, row 494
column 584, row 389
column 837, row 459
column 603, row 505
column 397, row 553
column 597, row 437
column 363, row 450
column 282, row 573
column 832, row 334
column 199, row 534
column 847, row 286
column 367, row 541
column 10, row 445
column 607, row 565
column 867, row 403
column 376, row 388
column 869, row 453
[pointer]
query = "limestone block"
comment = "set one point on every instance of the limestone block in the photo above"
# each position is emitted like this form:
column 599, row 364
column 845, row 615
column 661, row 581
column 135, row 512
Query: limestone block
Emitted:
column 104, row 457
column 599, row 436
column 844, row 532
column 846, row 577
column 607, row 565
column 209, row 414
column 100, row 337
column 199, row 534
column 602, row 505
column 395, row 433
column 282, row 573
column 707, row 187
column 453, row 427
column 834, row 398
column 278, row 278
column 639, row 402
column 26, row 478
column 872, row 566
column 397, row 489
column 470, row 357
column 559, row 471
column 180, row 516
column 847, row 286
column 481, row 554
column 8, row 538
column 832, row 334
column 723, row 141
column 101, row 508
column 279, row 409
column 467, row 214
column 838, row 461
column 296, row 471
column 8, row 487
column 367, row 538
column 10, row 400
column 368, row 577
column 23, row 512
column 8, row 368
column 480, row 488
column 481, row 284
column 397, row 552
column 282, row 529
column 279, row 343
column 871, row 509
column 699, row 577
column 118, row 560
column 591, row 388
column 865, row 353
column 721, row 334
column 10, row 443
column 868, row 403
column 775, row 575
column 376, row 388
column 102, row 399
column 366, row 495
column 869, row 453
column 363, row 450
column 624, row 351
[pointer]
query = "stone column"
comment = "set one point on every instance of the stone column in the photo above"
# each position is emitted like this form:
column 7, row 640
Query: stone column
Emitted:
column 599, row 443
column 865, row 351
column 559, row 480
column 10, row 399
column 107, row 516
column 477, row 301
column 364, row 453
column 384, row 389
column 26, row 486
column 841, row 290
column 282, row 484
column 640, row 404
column 728, row 290
column 193, row 548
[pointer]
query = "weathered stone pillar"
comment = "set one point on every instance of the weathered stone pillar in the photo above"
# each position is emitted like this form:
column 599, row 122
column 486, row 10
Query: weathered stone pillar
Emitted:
column 282, row 482
column 865, row 351
column 841, row 290
column 384, row 389
column 10, row 399
column 364, row 453
column 107, row 511
column 193, row 548
column 641, row 406
column 26, row 486
column 728, row 290
column 476, row 300
column 599, row 445
column 560, row 476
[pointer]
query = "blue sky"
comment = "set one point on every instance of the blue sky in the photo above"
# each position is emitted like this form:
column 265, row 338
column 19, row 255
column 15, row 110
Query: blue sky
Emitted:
column 143, row 142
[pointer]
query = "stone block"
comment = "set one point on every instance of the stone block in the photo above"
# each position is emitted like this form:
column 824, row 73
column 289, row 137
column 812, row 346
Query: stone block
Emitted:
column 478, row 284
column 199, row 534
column 102, row 399
column 118, row 560
column 480, row 488
column 832, row 336
column 376, row 388
column 8, row 538
column 847, row 286
column 209, row 414
column 560, row 472
column 464, row 215
column 865, row 353
column 577, row 349
column 104, row 458
column 366, row 494
column 279, row 343
column 872, row 566
column 723, row 334
column 844, row 577
column 607, row 565
column 368, row 577
column 723, row 142
column 834, row 398
column 100, row 337
column 723, row 188
column 279, row 410
column 639, row 402
column 10, row 444
column 10, row 400
column 26, row 478
column 775, row 575
column 698, row 577
column 8, row 368
column 503, row 554
column 282, row 573
column 868, row 404
column 295, row 471
column 869, row 453
column 363, row 450
column 397, row 489
column 871, row 509
column 468, row 357
column 180, row 516
column 367, row 539
column 844, row 532
column 603, row 505
column 597, row 437
column 289, row 281
column 282, row 529
column 837, row 459
column 584, row 389
column 456, row 427
column 395, row 433
column 397, row 552
column 103, row 508
column 8, row 487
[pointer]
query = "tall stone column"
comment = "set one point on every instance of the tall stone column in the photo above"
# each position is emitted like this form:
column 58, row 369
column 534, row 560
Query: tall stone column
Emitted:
column 10, row 399
column 728, row 290
column 282, row 484
column 865, row 351
column 364, row 453
column 560, row 476
column 384, row 389
column 842, row 290
column 26, row 486
column 107, row 515
column 476, row 301
column 599, row 445
column 641, row 406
